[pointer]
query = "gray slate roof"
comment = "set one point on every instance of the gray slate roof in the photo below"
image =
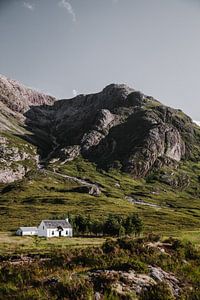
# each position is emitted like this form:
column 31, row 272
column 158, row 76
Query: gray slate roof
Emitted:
column 56, row 223
column 28, row 228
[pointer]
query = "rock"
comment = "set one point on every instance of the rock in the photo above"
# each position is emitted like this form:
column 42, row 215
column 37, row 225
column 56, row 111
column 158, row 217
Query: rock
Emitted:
column 13, row 159
column 118, row 127
column 19, row 98
column 159, row 275
column 8, row 175
column 97, row 296
column 69, row 153
column 89, row 189
column 124, row 282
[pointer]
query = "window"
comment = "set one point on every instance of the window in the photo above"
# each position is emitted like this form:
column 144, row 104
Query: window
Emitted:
column 52, row 232
column 66, row 232
column 43, row 227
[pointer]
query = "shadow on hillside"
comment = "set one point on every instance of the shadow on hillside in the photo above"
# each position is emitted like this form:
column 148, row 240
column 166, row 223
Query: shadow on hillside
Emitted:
column 114, row 150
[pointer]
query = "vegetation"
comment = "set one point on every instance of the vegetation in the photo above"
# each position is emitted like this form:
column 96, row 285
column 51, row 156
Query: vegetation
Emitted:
column 77, row 273
column 43, row 195
column 112, row 226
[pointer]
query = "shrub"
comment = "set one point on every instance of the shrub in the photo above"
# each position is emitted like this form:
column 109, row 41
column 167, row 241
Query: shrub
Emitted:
column 109, row 246
column 160, row 291
column 76, row 289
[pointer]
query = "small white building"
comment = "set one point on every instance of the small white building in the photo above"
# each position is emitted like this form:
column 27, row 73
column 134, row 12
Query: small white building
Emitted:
column 55, row 228
column 27, row 231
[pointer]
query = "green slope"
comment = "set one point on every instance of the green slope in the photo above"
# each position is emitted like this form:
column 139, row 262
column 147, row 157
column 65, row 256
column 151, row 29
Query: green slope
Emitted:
column 43, row 194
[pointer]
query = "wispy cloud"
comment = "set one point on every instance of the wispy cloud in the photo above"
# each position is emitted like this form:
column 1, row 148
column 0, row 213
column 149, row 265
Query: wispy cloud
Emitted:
column 28, row 5
column 75, row 93
column 65, row 4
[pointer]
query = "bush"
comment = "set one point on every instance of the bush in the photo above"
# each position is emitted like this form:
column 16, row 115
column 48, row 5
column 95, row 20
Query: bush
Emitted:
column 75, row 289
column 191, row 252
column 160, row 291
column 109, row 246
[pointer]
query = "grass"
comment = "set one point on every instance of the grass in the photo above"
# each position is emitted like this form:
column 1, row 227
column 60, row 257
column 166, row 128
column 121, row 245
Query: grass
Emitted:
column 81, row 272
column 189, row 236
column 44, row 196
column 10, row 244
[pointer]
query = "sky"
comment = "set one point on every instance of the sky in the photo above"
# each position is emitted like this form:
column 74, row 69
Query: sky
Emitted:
column 79, row 46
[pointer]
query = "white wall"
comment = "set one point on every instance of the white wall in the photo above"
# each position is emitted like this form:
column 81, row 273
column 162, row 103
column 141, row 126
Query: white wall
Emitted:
column 26, row 232
column 55, row 233
column 42, row 230
column 29, row 232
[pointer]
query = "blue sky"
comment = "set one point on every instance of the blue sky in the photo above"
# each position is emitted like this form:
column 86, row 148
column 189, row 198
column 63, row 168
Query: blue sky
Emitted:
column 80, row 46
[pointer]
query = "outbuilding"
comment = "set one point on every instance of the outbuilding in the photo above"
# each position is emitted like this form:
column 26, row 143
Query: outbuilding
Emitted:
column 27, row 231
column 55, row 228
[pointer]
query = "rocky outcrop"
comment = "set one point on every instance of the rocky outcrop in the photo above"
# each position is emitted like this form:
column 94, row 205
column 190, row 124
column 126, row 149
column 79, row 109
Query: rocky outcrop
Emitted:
column 16, row 158
column 19, row 98
column 118, row 127
column 124, row 282
column 9, row 174
column 85, row 186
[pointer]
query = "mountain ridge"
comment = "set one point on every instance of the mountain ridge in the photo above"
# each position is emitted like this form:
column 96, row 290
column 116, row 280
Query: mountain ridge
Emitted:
column 117, row 127
column 113, row 152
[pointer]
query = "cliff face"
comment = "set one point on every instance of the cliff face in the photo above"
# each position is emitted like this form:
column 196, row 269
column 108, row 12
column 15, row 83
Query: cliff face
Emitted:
column 118, row 127
column 15, row 100
column 19, row 98
column 17, row 156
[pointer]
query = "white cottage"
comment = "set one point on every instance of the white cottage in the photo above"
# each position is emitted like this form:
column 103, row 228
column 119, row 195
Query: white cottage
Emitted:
column 55, row 228
column 27, row 231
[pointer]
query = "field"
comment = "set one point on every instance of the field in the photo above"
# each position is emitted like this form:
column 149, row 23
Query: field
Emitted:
column 163, row 208
column 67, row 269
column 10, row 244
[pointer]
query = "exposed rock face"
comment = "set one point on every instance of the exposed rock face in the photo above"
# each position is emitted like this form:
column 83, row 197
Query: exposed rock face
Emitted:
column 17, row 156
column 18, row 97
column 9, row 174
column 118, row 127
column 131, row 281
column 16, row 159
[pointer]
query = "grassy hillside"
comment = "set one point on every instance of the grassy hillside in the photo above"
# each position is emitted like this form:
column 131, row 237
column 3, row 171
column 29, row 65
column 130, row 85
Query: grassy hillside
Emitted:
column 42, row 194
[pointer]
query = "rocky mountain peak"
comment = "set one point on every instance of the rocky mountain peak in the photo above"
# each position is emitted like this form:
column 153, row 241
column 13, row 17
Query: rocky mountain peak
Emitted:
column 117, row 127
column 117, row 89
column 19, row 98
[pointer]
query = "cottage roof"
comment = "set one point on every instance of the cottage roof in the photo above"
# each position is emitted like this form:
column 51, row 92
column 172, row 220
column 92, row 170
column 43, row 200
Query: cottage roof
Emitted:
column 57, row 223
column 28, row 228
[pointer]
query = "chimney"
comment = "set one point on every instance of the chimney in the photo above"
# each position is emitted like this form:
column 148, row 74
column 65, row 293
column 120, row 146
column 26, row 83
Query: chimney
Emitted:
column 67, row 219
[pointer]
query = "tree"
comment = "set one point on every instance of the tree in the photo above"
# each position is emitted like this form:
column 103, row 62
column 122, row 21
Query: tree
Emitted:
column 113, row 225
column 133, row 225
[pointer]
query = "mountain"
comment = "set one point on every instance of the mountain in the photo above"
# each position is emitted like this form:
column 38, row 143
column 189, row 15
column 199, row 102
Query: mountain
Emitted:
column 17, row 155
column 118, row 127
column 118, row 143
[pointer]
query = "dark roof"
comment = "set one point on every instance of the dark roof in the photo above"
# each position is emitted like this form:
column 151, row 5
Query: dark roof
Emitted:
column 57, row 223
column 28, row 228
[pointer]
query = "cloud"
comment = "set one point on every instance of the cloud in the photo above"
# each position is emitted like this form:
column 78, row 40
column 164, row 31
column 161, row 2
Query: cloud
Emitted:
column 28, row 5
column 75, row 93
column 65, row 4
column 197, row 122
